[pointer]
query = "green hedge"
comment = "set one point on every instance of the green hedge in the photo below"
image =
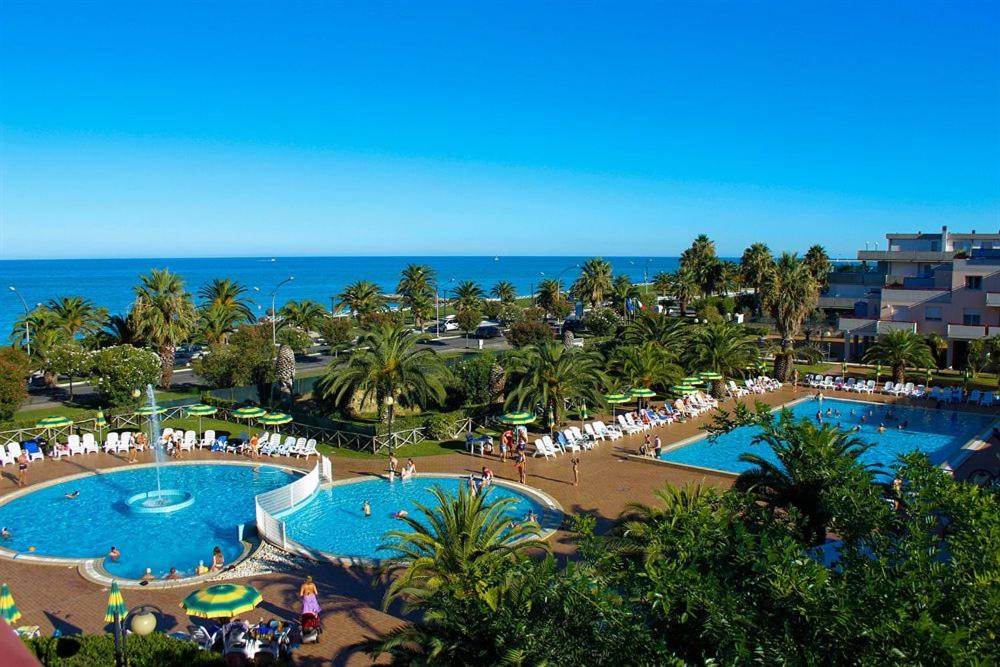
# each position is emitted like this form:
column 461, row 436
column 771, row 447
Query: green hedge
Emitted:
column 156, row 650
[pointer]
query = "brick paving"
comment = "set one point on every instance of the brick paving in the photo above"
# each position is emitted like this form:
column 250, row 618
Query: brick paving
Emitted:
column 58, row 597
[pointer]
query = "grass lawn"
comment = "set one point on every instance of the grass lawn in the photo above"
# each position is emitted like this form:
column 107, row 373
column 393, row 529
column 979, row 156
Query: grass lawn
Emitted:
column 822, row 368
column 59, row 411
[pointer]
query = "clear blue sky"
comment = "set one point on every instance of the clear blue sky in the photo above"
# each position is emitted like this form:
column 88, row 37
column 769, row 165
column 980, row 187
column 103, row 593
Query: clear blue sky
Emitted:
column 187, row 128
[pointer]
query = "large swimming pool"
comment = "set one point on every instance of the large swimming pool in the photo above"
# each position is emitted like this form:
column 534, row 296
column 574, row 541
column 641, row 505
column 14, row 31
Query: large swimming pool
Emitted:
column 333, row 521
column 88, row 526
column 937, row 433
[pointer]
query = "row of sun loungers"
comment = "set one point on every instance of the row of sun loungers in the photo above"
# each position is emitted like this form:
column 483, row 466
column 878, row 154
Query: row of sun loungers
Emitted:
column 907, row 389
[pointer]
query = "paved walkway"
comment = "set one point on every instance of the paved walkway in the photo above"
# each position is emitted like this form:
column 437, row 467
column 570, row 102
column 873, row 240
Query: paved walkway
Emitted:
column 53, row 596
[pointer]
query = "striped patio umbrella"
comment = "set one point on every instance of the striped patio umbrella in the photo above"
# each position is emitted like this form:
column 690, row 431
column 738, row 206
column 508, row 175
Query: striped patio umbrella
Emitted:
column 274, row 419
column 116, row 605
column 930, row 376
column 692, row 380
column 53, row 422
column 615, row 399
column 583, row 411
column 517, row 418
column 710, row 375
column 683, row 389
column 149, row 410
column 249, row 412
column 8, row 609
column 222, row 601
column 201, row 410
column 100, row 422
column 551, row 421
column 639, row 393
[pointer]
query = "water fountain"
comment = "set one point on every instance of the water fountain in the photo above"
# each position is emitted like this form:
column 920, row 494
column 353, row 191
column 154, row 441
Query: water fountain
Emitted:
column 161, row 500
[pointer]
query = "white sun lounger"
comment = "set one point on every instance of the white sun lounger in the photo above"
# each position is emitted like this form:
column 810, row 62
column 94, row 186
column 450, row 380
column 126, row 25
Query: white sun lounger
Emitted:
column 89, row 444
column 5, row 458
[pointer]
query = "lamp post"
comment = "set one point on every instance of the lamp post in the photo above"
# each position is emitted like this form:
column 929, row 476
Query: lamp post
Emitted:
column 389, row 409
column 437, row 306
column 27, row 325
column 274, row 313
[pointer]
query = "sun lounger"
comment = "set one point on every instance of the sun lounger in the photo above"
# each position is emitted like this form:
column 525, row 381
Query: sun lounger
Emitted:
column 585, row 440
column 974, row 396
column 554, row 447
column 541, row 449
column 34, row 451
column 111, row 442
column 89, row 444
column 609, row 432
column 207, row 438
column 987, row 399
column 309, row 449
column 5, row 458
column 592, row 432
column 567, row 443
column 626, row 427
column 888, row 387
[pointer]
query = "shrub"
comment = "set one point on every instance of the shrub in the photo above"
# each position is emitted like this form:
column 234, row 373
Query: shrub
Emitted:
column 533, row 313
column 602, row 322
column 440, row 426
column 156, row 650
column 529, row 332
column 295, row 338
column 473, row 377
column 120, row 370
column 14, row 371
column 336, row 331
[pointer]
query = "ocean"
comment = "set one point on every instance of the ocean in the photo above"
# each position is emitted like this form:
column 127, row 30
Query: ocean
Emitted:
column 110, row 282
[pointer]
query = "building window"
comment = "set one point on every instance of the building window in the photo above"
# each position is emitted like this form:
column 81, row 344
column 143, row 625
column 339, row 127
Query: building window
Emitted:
column 971, row 318
column 973, row 282
column 932, row 313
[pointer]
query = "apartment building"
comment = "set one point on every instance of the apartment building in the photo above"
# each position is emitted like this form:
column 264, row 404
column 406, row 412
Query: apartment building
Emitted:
column 944, row 283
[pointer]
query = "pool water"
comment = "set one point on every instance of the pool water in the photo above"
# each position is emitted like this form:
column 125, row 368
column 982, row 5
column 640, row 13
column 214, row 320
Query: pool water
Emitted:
column 937, row 433
column 90, row 524
column 334, row 522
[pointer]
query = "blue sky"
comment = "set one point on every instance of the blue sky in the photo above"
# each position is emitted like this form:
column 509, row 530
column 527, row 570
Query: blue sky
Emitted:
column 138, row 129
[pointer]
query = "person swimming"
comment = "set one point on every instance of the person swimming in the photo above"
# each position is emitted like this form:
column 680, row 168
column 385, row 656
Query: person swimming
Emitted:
column 4, row 533
column 531, row 517
column 114, row 554
column 72, row 496
column 401, row 514
column 881, row 428
column 202, row 568
column 366, row 508
column 148, row 576
column 172, row 574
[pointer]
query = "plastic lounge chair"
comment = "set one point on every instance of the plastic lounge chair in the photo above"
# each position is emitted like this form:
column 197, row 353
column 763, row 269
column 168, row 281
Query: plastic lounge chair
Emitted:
column 189, row 441
column 554, row 447
column 220, row 444
column 987, row 399
column 111, row 442
column 592, row 432
column 89, row 444
column 584, row 441
column 919, row 391
column 74, row 444
column 300, row 444
column 208, row 438
column 611, row 433
column 541, row 449
column 309, row 449
column 626, row 427
column 34, row 451
column 5, row 458
column 974, row 396
column 567, row 442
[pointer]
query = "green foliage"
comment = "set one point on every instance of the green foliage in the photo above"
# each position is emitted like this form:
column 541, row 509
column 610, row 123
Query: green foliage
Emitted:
column 295, row 338
column 550, row 374
column 155, row 650
column 602, row 322
column 900, row 349
column 248, row 358
column 593, row 285
column 529, row 332
column 441, row 425
column 14, row 371
column 120, row 370
column 361, row 298
column 336, row 331
column 305, row 314
column 164, row 316
column 468, row 317
column 473, row 376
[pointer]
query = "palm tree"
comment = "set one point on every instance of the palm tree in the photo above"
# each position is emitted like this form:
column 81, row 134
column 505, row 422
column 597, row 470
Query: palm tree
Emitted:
column 636, row 533
column 387, row 364
column 215, row 324
column 684, row 287
column 77, row 316
column 468, row 295
column 808, row 470
column 549, row 295
column 361, row 298
column 594, row 284
column 622, row 290
column 789, row 294
column 118, row 330
column 700, row 260
column 668, row 332
column 648, row 366
column 455, row 544
column 662, row 283
column 938, row 345
column 725, row 277
column 421, row 307
column 505, row 291
column 899, row 349
column 417, row 287
column 305, row 314
column 756, row 263
column 721, row 347
column 819, row 264
column 230, row 296
column 548, row 374
column 164, row 316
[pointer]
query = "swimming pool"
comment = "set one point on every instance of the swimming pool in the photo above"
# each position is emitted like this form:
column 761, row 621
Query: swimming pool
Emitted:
column 937, row 433
column 333, row 521
column 88, row 526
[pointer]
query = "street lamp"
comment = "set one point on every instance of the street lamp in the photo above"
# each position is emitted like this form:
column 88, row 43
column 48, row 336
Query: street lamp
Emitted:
column 274, row 313
column 27, row 325
column 437, row 306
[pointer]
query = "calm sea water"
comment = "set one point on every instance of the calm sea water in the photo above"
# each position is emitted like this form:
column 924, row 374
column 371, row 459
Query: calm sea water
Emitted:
column 110, row 282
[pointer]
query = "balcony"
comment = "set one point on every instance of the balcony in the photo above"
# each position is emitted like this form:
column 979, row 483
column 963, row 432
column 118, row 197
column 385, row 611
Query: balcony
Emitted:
column 902, row 296
column 993, row 299
column 905, row 256
column 860, row 326
column 967, row 331
column 838, row 302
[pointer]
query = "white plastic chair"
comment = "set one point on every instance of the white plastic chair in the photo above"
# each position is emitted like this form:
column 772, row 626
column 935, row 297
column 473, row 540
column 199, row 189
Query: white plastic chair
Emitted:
column 73, row 442
column 111, row 442
column 208, row 438
column 89, row 444
column 541, row 449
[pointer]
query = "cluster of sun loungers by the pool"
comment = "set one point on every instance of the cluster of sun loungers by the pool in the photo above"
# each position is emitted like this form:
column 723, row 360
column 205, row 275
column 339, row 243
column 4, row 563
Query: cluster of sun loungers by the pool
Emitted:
column 907, row 389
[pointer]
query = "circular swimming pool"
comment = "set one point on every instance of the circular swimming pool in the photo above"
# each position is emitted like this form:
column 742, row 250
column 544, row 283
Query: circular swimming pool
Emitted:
column 88, row 525
column 334, row 522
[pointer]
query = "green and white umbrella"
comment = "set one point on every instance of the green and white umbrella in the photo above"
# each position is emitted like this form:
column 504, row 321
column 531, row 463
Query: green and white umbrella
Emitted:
column 683, row 389
column 100, row 423
column 615, row 399
column 551, row 421
column 517, row 418
column 149, row 410
column 878, row 372
column 8, row 608
column 930, row 376
column 116, row 605
column 249, row 412
column 274, row 419
column 583, row 411
column 710, row 375
column 199, row 411
column 692, row 380
column 222, row 601
column 640, row 393
column 53, row 422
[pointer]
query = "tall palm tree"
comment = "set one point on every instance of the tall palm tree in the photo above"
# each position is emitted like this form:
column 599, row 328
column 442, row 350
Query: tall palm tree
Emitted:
column 661, row 283
column 548, row 374
column 648, row 365
column 230, row 296
column 361, row 298
column 387, row 364
column 77, row 316
column 455, row 544
column 899, row 349
column 721, row 347
column 808, row 468
column 468, row 295
column 549, row 294
column 684, row 287
column 164, row 316
column 505, row 291
column 789, row 294
column 215, row 323
column 417, row 285
column 593, row 285
column 819, row 264
column 118, row 330
column 702, row 263
column 622, row 290
column 305, row 314
column 755, row 264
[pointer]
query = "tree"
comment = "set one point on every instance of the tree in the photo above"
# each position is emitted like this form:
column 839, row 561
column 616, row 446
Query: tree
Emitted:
column 361, row 298
column 819, row 264
column 755, row 265
column 647, row 365
column 305, row 314
column 602, row 322
column 118, row 330
column 549, row 295
column 248, row 358
column 164, row 316
column 121, row 371
column 622, row 290
column 684, row 287
column 701, row 264
column 461, row 540
column 594, row 284
column 468, row 295
column 229, row 297
column 14, row 372
column 662, row 283
column 417, row 287
column 387, row 364
column 899, row 349
column 336, row 331
column 504, row 291
column 284, row 373
column 789, row 294
column 669, row 332
column 71, row 360
column 807, row 475
column 295, row 338
column 215, row 323
column 721, row 347
column 529, row 332
column 77, row 316
column 468, row 318
column 938, row 345
column 548, row 374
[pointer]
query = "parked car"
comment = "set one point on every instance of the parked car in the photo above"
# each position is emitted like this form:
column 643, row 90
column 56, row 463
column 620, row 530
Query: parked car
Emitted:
column 488, row 331
column 445, row 325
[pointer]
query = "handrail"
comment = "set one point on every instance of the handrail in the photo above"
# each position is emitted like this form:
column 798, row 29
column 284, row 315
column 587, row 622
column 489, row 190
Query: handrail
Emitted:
column 270, row 505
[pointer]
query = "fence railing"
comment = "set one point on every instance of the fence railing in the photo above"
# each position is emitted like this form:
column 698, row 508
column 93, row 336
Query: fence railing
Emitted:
column 271, row 505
